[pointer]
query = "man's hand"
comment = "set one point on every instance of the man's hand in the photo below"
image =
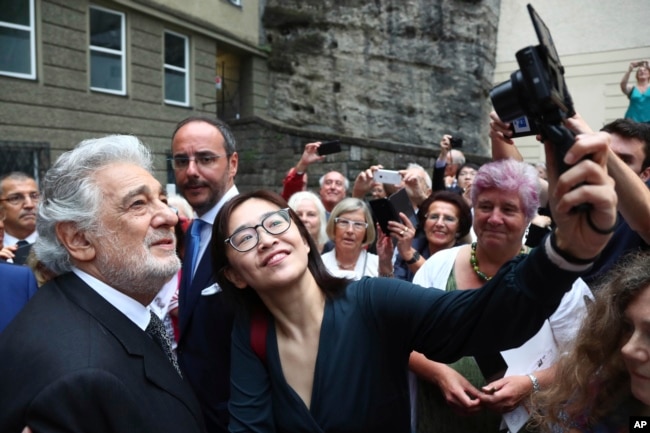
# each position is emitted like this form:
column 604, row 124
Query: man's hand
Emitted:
column 499, row 130
column 416, row 185
column 8, row 252
column 309, row 156
column 445, row 147
column 364, row 181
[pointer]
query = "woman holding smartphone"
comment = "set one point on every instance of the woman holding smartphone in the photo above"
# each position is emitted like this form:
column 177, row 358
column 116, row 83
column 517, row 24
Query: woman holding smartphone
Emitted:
column 638, row 94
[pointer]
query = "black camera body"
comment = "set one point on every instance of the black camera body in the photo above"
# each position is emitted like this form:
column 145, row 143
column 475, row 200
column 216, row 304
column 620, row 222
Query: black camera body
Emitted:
column 537, row 91
column 455, row 142
column 536, row 99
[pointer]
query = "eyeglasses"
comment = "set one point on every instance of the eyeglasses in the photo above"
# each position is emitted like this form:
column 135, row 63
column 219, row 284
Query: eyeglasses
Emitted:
column 247, row 238
column 20, row 199
column 345, row 223
column 202, row 160
column 447, row 219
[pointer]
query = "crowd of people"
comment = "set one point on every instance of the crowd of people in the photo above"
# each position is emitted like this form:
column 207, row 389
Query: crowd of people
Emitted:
column 291, row 310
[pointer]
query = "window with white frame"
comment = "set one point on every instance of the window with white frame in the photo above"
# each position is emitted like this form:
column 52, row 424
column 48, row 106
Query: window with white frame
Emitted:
column 17, row 41
column 107, row 51
column 177, row 86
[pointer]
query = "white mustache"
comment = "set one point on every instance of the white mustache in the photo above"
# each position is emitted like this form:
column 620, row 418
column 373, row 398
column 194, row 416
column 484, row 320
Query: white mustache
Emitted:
column 158, row 236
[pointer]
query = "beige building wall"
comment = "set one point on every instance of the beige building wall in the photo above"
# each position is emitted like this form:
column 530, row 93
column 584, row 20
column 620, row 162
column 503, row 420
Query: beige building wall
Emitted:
column 241, row 21
column 596, row 41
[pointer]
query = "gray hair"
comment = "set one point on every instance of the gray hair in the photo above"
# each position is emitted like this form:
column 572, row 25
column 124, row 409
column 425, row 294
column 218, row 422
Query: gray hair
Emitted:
column 351, row 204
column 346, row 182
column 300, row 196
column 427, row 178
column 457, row 157
column 70, row 194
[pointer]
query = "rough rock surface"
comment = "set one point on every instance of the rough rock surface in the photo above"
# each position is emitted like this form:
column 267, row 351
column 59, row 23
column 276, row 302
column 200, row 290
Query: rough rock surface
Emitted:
column 406, row 71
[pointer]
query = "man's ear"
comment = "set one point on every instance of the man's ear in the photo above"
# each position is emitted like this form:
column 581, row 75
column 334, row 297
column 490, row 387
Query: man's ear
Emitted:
column 235, row 277
column 75, row 241
column 645, row 174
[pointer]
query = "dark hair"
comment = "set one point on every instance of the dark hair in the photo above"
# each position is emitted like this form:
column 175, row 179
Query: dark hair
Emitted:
column 247, row 299
column 17, row 176
column 627, row 128
column 221, row 126
column 464, row 211
column 469, row 165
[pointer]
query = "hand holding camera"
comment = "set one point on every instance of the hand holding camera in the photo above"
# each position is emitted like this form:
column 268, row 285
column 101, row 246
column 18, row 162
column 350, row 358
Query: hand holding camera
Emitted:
column 536, row 99
column 537, row 93
column 640, row 63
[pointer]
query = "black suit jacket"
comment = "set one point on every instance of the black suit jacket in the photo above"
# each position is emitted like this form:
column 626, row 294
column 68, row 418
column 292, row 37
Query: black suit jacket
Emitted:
column 72, row 362
column 205, row 323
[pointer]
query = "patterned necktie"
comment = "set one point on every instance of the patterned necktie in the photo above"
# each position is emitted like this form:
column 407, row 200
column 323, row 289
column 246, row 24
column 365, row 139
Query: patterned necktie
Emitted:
column 195, row 242
column 156, row 331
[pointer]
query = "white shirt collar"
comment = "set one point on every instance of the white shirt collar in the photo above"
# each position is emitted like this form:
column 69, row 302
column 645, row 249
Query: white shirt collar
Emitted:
column 11, row 240
column 135, row 311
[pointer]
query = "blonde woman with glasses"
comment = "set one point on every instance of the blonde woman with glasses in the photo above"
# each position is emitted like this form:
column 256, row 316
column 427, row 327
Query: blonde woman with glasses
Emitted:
column 351, row 228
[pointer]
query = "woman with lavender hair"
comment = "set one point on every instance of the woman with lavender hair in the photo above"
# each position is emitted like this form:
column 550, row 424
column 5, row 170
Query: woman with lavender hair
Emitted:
column 505, row 198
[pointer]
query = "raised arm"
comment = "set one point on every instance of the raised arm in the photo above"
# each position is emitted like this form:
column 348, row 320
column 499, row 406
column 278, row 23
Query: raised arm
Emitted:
column 626, row 88
column 503, row 146
column 293, row 181
column 364, row 181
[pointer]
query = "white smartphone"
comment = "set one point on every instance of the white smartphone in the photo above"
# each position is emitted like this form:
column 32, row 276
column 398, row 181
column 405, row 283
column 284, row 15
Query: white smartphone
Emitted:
column 391, row 177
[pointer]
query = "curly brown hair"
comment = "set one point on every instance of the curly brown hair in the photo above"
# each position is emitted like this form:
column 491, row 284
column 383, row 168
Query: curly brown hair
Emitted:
column 591, row 379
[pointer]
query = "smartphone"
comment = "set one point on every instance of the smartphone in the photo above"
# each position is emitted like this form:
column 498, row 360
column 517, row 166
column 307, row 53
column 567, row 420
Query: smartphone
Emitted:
column 329, row 147
column 402, row 203
column 383, row 211
column 387, row 176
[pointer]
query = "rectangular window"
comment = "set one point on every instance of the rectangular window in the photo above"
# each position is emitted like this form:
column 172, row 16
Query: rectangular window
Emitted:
column 107, row 51
column 17, row 41
column 176, row 69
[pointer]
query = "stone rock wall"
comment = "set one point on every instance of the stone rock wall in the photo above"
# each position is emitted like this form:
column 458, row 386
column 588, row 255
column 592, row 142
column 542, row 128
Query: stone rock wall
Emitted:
column 268, row 149
column 405, row 71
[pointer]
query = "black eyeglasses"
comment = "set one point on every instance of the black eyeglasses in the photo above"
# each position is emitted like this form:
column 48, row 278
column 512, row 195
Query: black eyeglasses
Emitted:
column 202, row 160
column 247, row 238
column 20, row 199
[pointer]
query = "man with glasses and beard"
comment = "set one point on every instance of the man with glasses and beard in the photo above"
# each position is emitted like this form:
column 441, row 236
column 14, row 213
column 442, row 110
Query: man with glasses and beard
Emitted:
column 205, row 163
column 86, row 354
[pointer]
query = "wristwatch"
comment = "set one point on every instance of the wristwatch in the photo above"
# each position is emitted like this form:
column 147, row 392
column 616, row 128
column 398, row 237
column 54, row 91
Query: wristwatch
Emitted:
column 415, row 258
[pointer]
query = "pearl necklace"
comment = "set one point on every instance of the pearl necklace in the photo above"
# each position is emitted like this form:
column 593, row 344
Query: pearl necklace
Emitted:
column 473, row 261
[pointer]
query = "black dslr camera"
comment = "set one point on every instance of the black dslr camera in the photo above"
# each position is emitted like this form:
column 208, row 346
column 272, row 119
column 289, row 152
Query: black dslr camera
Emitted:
column 536, row 99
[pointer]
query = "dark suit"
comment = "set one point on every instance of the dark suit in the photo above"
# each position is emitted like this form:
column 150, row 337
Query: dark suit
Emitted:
column 17, row 286
column 74, row 362
column 205, row 323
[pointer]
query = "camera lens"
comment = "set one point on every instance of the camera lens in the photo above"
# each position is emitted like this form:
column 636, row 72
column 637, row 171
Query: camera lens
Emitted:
column 508, row 98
